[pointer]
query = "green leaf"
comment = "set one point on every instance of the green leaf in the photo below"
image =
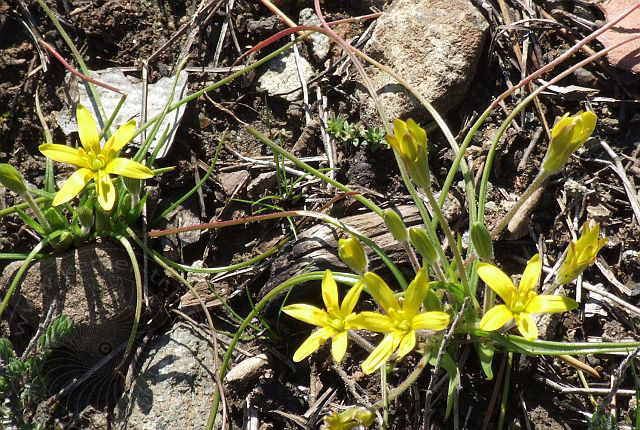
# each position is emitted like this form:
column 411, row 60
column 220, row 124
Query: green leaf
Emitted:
column 485, row 354
column 450, row 366
column 30, row 221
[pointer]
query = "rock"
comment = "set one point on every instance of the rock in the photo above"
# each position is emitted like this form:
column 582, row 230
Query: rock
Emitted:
column 435, row 46
column 230, row 181
column 247, row 371
column 280, row 76
column 319, row 42
column 263, row 182
column 174, row 387
column 94, row 286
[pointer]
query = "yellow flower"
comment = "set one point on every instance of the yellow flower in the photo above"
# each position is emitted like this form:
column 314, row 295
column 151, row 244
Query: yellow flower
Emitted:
column 334, row 323
column 582, row 253
column 569, row 134
column 519, row 303
column 409, row 141
column 400, row 322
column 95, row 162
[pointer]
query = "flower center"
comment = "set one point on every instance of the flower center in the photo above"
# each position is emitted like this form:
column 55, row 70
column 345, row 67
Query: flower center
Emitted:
column 400, row 321
column 338, row 324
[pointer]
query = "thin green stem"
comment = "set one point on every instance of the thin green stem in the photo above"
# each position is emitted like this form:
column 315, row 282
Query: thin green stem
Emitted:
column 277, row 148
column 36, row 210
column 505, row 391
column 12, row 209
column 23, row 268
column 537, row 182
column 453, row 244
column 138, row 279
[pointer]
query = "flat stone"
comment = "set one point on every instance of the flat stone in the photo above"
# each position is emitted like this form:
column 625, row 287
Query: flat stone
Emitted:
column 174, row 387
column 279, row 77
column 93, row 286
column 319, row 42
column 247, row 371
column 434, row 45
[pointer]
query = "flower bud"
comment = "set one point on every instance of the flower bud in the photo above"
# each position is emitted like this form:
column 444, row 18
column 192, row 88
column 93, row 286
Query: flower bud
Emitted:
column 352, row 254
column 481, row 240
column 351, row 418
column 422, row 244
column 581, row 254
column 12, row 179
column 569, row 134
column 395, row 225
column 409, row 141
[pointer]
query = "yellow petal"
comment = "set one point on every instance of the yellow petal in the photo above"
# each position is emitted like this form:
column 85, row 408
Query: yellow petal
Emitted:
column 119, row 139
column 128, row 168
column 313, row 342
column 526, row 326
column 309, row 314
column 434, row 320
column 105, row 190
column 380, row 291
column 549, row 304
column 72, row 186
column 379, row 355
column 330, row 293
column 339, row 346
column 415, row 294
column 495, row 318
column 531, row 275
column 407, row 344
column 372, row 321
column 498, row 281
column 87, row 130
column 63, row 154
column 351, row 299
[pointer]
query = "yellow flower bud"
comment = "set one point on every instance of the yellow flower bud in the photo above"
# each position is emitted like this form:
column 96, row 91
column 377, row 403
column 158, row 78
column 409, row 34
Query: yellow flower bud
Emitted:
column 569, row 134
column 352, row 254
column 481, row 240
column 395, row 225
column 12, row 179
column 581, row 254
column 422, row 244
column 409, row 141
column 349, row 419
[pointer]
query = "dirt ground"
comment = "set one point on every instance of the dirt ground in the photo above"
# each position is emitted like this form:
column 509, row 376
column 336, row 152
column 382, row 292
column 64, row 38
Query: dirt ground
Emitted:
column 126, row 33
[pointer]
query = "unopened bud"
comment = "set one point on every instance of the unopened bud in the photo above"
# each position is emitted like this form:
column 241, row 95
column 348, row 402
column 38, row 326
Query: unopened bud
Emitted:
column 395, row 225
column 12, row 179
column 352, row 254
column 422, row 244
column 481, row 240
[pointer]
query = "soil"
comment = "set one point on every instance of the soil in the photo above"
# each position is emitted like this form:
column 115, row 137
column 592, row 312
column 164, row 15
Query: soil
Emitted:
column 125, row 33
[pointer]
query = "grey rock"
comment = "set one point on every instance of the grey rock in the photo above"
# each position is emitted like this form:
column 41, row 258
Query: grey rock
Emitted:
column 247, row 371
column 263, row 182
column 434, row 45
column 174, row 387
column 279, row 77
column 94, row 286
column 319, row 42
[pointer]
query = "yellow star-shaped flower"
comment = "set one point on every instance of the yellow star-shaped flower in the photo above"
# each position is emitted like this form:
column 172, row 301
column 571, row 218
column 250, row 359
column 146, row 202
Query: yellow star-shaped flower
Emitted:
column 399, row 321
column 95, row 163
column 582, row 253
column 519, row 303
column 334, row 322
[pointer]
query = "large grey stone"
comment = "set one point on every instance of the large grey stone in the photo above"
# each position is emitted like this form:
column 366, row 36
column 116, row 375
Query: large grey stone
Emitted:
column 434, row 45
column 174, row 387
column 93, row 286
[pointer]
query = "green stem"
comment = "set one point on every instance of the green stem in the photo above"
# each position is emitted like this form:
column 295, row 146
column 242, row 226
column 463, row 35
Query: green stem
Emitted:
column 453, row 244
column 277, row 148
column 12, row 209
column 23, row 268
column 76, row 55
column 138, row 278
column 505, row 391
column 36, row 210
column 537, row 182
